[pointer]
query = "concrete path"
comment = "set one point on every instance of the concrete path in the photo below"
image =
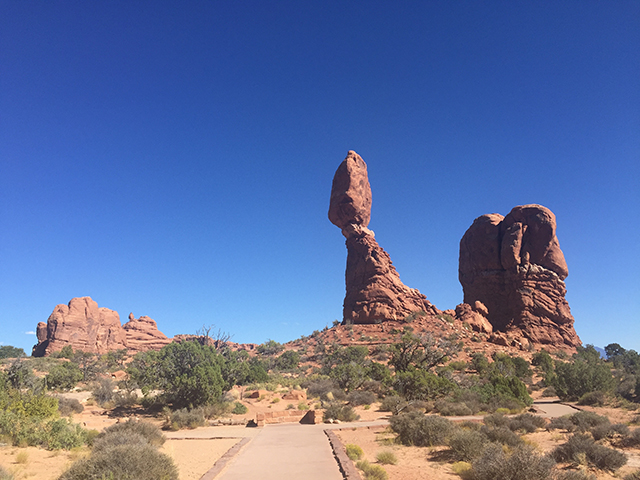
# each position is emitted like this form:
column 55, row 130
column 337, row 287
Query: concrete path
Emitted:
column 285, row 451
column 552, row 409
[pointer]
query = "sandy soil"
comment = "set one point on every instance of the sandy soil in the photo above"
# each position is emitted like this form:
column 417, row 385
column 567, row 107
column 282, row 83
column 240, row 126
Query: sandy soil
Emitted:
column 195, row 457
column 40, row 464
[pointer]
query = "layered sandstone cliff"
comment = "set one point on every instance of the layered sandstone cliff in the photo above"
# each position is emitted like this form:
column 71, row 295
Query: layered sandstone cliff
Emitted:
column 375, row 292
column 515, row 267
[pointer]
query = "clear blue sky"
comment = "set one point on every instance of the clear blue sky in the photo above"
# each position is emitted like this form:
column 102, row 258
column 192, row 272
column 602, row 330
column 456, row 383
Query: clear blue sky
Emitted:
column 175, row 159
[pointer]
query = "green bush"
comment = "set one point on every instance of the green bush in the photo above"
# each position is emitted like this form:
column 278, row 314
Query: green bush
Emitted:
column 393, row 403
column 522, row 464
column 581, row 445
column 633, row 475
column 68, row 406
column 587, row 372
column 103, row 392
column 338, row 411
column 354, row 452
column 609, row 430
column 526, row 423
column 7, row 351
column 151, row 432
column 239, row 409
column 452, row 409
column 467, row 445
column 387, row 457
column 421, row 430
column 64, row 376
column 123, row 462
column 418, row 384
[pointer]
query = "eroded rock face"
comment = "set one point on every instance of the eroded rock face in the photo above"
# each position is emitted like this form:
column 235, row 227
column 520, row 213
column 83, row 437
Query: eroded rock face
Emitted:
column 375, row 292
column 515, row 267
column 142, row 334
column 84, row 326
column 89, row 328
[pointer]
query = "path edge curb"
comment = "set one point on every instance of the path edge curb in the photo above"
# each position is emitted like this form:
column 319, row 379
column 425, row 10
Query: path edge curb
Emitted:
column 348, row 470
column 224, row 459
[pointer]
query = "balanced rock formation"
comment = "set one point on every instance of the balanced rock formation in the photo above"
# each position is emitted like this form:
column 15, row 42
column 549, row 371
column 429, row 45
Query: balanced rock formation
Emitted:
column 84, row 326
column 143, row 334
column 515, row 267
column 374, row 290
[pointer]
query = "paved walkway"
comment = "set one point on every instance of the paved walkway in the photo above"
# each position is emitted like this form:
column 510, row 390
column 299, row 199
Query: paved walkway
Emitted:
column 285, row 451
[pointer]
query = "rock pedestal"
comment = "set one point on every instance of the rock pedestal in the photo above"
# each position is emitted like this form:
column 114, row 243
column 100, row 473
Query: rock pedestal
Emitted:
column 375, row 292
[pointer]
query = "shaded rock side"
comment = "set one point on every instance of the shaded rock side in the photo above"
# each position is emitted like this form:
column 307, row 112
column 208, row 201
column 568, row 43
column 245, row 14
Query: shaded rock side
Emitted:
column 82, row 325
column 142, row 334
column 515, row 267
column 375, row 292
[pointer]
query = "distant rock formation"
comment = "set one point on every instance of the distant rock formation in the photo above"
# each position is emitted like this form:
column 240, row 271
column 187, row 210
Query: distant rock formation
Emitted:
column 374, row 290
column 86, row 327
column 515, row 267
column 143, row 334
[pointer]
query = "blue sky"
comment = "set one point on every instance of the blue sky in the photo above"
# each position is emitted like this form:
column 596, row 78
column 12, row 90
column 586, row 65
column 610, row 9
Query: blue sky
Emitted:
column 175, row 159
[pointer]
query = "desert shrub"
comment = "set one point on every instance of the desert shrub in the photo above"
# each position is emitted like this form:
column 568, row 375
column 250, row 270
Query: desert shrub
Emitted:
column 151, row 432
column 354, row 452
column 449, row 409
column 184, row 418
column 239, row 409
column 496, row 420
column 338, row 411
column 587, row 420
column 461, row 468
column 471, row 425
column 372, row 472
column 216, row 409
column 102, row 391
column 392, row 403
column 549, row 392
column 421, row 430
column 609, row 430
column 467, row 445
column 479, row 363
column 458, row 365
column 575, row 475
column 632, row 439
column 64, row 376
column 4, row 475
column 122, row 437
column 561, row 423
column 593, row 398
column 631, row 476
column 522, row 464
column 387, row 457
column 526, row 422
column 501, row 435
column 123, row 462
column 67, row 406
column 583, row 446
column 361, row 398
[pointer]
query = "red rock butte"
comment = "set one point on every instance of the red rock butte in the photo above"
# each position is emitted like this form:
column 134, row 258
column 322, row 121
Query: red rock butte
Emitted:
column 375, row 292
column 89, row 328
column 515, row 267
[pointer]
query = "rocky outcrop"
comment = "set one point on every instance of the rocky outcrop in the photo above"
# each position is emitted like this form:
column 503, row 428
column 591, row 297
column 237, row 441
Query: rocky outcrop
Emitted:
column 143, row 334
column 475, row 316
column 375, row 292
column 515, row 267
column 84, row 326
